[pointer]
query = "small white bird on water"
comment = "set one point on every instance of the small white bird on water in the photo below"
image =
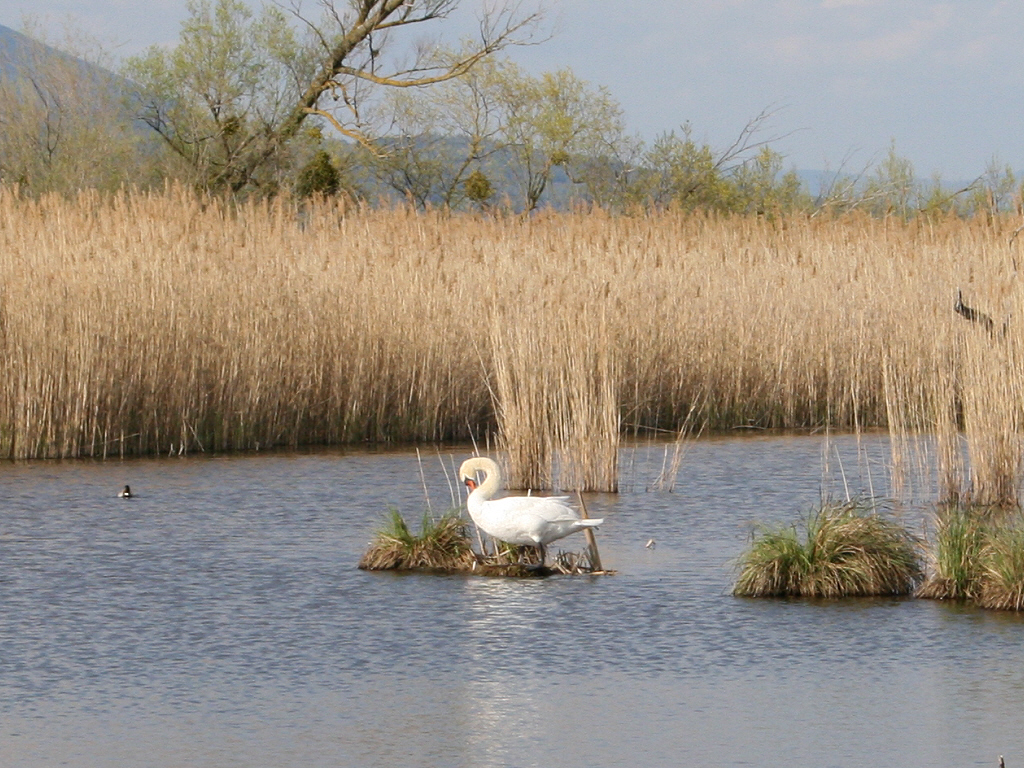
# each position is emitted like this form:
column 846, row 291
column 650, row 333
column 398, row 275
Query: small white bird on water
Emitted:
column 522, row 520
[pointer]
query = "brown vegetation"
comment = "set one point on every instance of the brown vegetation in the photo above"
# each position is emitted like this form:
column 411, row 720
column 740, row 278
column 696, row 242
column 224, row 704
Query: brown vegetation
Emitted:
column 163, row 322
column 444, row 546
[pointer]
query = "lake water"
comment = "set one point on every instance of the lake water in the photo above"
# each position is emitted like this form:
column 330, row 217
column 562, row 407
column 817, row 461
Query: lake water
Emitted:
column 218, row 619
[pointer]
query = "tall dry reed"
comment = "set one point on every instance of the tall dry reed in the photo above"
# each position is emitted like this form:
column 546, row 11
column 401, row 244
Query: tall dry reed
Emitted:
column 162, row 322
column 556, row 396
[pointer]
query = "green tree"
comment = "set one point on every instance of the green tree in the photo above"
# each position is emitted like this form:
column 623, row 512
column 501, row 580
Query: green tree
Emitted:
column 995, row 191
column 231, row 97
column 892, row 189
column 441, row 136
column 680, row 171
column 498, row 122
column 935, row 200
column 554, row 121
column 416, row 157
column 761, row 187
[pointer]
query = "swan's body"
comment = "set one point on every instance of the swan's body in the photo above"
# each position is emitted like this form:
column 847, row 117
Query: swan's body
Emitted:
column 523, row 520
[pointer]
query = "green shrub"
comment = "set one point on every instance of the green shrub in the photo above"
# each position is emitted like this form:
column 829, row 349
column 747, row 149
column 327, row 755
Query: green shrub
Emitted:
column 319, row 176
column 478, row 187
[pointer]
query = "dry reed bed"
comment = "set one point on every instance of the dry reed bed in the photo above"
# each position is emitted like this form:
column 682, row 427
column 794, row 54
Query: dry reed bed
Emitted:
column 160, row 322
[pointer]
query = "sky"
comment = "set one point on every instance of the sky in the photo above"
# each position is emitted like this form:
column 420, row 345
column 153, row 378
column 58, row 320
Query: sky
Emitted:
column 844, row 79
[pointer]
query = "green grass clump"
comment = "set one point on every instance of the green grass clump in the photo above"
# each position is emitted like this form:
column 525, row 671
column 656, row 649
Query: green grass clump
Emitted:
column 847, row 550
column 442, row 544
column 957, row 561
column 978, row 556
column 1001, row 582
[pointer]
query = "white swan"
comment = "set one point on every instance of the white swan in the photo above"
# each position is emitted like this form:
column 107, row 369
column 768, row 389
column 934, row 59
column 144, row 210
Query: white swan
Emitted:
column 523, row 520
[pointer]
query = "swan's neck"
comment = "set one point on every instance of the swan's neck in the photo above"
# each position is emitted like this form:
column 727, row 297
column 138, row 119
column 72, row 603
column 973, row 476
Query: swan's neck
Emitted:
column 491, row 484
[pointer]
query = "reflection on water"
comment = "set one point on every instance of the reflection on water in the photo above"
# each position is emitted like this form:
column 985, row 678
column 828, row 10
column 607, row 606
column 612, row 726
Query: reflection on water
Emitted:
column 218, row 619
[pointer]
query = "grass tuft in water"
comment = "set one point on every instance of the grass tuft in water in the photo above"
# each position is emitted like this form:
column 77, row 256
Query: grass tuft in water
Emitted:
column 1001, row 582
column 442, row 544
column 846, row 550
column 956, row 562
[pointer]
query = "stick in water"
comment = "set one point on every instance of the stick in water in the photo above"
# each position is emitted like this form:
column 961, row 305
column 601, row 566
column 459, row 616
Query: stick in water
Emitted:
column 595, row 558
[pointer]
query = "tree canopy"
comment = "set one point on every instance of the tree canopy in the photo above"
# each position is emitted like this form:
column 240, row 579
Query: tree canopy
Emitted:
column 230, row 98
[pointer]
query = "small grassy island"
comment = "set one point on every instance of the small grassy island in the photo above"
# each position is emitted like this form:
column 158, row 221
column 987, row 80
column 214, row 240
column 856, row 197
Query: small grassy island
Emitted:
column 444, row 546
column 848, row 549
column 851, row 549
column 978, row 556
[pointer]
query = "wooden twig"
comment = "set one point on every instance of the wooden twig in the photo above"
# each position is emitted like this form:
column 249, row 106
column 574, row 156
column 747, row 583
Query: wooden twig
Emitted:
column 595, row 558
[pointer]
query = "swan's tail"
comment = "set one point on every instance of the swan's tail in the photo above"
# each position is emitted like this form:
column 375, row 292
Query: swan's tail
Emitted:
column 590, row 523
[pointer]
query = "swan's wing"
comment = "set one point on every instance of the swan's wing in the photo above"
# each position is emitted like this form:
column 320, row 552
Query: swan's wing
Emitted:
column 529, row 519
column 550, row 508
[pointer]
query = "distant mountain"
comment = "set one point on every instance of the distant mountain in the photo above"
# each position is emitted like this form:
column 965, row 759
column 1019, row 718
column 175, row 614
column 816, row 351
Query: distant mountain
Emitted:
column 21, row 55
column 18, row 51
column 12, row 41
